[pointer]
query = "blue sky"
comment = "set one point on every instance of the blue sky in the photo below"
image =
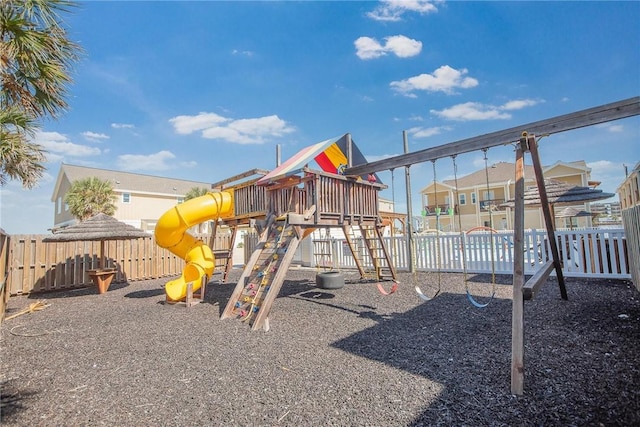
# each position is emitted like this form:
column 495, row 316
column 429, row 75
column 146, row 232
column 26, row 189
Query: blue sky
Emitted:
column 205, row 90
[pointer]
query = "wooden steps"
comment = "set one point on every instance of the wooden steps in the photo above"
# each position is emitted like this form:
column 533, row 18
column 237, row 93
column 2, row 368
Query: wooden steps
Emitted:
column 370, row 242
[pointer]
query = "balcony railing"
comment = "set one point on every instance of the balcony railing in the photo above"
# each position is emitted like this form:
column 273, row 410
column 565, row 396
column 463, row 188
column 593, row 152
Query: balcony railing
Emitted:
column 443, row 209
column 493, row 205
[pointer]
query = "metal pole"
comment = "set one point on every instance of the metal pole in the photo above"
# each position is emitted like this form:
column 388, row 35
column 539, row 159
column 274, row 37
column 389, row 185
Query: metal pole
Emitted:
column 278, row 155
column 407, row 178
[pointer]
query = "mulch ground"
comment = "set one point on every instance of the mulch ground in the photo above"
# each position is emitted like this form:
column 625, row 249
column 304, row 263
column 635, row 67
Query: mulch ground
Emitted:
column 346, row 357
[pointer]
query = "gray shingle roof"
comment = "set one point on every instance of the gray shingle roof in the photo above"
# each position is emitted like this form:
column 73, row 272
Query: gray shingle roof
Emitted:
column 498, row 172
column 132, row 181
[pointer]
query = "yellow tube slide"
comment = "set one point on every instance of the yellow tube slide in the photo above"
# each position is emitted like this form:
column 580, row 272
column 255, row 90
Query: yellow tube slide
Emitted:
column 171, row 233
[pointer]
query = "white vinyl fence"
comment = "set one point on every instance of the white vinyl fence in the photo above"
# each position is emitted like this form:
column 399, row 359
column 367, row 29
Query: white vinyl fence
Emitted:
column 584, row 253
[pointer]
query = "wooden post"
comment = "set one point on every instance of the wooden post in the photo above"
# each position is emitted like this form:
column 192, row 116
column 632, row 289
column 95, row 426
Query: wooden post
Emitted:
column 407, row 179
column 517, row 310
column 546, row 211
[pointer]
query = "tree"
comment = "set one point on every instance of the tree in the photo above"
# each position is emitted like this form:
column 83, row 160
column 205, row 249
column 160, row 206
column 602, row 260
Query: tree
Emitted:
column 195, row 192
column 35, row 59
column 90, row 196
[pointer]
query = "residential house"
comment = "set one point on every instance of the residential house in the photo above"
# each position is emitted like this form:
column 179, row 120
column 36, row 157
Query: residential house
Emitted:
column 141, row 199
column 629, row 190
column 477, row 202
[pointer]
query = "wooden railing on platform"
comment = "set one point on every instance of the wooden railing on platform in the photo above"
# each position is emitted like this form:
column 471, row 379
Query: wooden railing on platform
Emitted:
column 249, row 200
column 337, row 199
column 36, row 266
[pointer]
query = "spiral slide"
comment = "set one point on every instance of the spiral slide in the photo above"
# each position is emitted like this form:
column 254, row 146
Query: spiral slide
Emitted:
column 171, row 233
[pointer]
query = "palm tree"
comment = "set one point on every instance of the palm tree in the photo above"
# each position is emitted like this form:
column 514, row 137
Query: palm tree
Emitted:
column 195, row 192
column 35, row 59
column 90, row 196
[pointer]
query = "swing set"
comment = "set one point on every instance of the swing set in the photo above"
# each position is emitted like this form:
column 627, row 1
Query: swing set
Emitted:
column 524, row 140
column 463, row 250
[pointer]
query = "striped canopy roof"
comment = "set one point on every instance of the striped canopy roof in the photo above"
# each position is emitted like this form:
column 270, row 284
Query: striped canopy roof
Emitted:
column 329, row 154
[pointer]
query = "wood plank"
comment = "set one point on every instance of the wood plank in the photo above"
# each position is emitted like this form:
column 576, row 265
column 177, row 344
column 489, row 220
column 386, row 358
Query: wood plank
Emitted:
column 537, row 280
column 239, row 176
column 546, row 211
column 517, row 305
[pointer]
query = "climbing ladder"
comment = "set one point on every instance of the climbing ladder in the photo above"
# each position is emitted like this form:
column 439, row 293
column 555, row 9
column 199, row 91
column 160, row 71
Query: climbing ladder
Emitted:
column 264, row 274
column 324, row 252
column 370, row 240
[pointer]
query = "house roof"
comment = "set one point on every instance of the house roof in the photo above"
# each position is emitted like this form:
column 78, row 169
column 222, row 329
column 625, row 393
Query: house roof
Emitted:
column 498, row 172
column 502, row 172
column 127, row 181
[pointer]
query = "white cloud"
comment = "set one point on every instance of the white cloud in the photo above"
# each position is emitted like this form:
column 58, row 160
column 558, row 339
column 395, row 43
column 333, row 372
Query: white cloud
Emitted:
column 368, row 48
column 471, row 111
column 241, row 131
column 420, row 132
column 188, row 124
column 151, row 162
column 190, row 164
column 392, row 10
column 401, row 46
column 478, row 111
column 58, row 146
column 242, row 52
column 614, row 128
column 444, row 79
column 610, row 174
column 604, row 167
column 519, row 104
column 122, row 126
column 94, row 137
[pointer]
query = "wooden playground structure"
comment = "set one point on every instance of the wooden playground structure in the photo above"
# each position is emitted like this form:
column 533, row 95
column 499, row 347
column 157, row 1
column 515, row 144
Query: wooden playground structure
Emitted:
column 286, row 209
column 292, row 209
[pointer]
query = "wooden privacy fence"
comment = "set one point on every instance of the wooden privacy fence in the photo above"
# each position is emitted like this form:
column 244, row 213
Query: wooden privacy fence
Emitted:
column 4, row 272
column 36, row 266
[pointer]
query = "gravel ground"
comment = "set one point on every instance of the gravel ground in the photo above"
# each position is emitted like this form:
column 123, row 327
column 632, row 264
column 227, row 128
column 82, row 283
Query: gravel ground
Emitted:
column 347, row 357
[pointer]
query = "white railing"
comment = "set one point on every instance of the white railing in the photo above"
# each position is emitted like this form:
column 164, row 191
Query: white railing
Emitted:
column 583, row 253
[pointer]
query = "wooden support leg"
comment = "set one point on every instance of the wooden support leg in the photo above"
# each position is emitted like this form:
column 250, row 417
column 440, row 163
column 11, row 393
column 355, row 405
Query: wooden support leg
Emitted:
column 517, row 309
column 194, row 298
column 546, row 211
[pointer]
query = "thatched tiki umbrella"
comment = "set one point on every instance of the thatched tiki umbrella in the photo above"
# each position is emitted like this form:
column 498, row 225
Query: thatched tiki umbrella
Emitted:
column 100, row 228
column 572, row 212
column 561, row 194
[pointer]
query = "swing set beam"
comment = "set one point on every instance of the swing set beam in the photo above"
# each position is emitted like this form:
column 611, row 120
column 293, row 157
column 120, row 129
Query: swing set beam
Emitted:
column 592, row 116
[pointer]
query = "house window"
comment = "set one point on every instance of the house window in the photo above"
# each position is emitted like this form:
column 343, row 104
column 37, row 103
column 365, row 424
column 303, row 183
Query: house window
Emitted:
column 473, row 198
column 462, row 199
column 126, row 197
